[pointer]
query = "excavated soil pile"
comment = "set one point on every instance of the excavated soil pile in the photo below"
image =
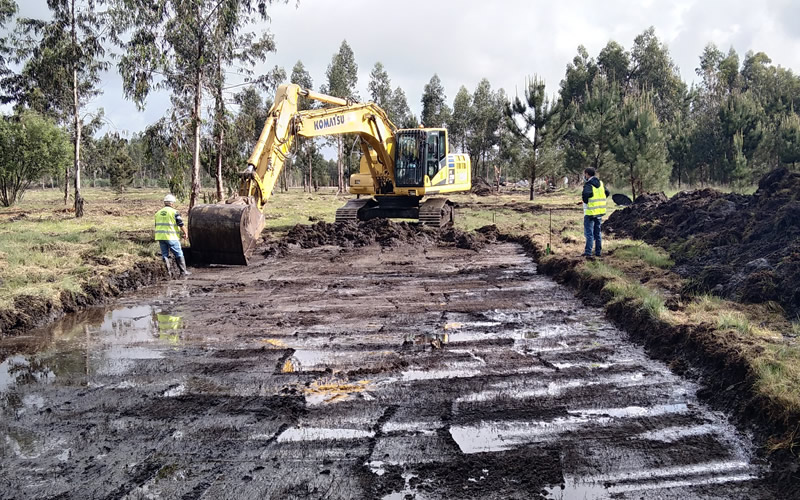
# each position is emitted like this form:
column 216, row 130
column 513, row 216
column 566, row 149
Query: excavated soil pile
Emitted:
column 383, row 232
column 745, row 248
column 481, row 187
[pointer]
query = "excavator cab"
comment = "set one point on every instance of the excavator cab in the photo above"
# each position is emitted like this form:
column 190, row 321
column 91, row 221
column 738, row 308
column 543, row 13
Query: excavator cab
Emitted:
column 419, row 153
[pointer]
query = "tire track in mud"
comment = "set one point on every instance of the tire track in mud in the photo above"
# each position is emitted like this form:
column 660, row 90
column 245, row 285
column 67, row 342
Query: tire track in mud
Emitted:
column 457, row 374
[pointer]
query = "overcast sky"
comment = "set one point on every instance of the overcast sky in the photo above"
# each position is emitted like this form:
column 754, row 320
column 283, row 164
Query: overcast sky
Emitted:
column 504, row 41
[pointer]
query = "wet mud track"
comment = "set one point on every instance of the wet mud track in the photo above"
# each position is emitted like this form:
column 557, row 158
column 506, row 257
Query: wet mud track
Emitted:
column 371, row 373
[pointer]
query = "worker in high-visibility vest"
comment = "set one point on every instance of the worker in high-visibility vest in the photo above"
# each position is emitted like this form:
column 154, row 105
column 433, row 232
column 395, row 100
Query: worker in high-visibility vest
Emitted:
column 168, row 222
column 594, row 208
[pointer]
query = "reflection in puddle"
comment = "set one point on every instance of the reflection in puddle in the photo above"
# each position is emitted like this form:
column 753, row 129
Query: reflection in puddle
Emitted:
column 557, row 388
column 333, row 390
column 504, row 435
column 319, row 360
column 93, row 345
column 605, row 485
column 320, row 434
column 672, row 434
column 410, row 375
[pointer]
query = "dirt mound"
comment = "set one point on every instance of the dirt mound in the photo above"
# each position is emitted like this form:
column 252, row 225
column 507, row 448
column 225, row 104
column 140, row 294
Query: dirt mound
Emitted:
column 745, row 248
column 481, row 187
column 651, row 198
column 383, row 232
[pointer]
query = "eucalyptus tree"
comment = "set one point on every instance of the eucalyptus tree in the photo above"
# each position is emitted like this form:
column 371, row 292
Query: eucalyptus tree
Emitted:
column 62, row 57
column 182, row 46
column 342, row 78
column 435, row 112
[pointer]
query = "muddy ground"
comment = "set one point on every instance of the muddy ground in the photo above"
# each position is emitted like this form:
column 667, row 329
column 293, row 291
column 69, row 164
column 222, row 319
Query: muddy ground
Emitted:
column 745, row 248
column 400, row 371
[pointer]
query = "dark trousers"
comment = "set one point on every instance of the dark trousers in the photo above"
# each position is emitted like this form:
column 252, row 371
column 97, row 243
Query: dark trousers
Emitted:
column 591, row 229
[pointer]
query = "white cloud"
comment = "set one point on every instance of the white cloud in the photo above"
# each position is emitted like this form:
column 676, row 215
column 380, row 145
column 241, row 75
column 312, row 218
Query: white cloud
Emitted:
column 504, row 41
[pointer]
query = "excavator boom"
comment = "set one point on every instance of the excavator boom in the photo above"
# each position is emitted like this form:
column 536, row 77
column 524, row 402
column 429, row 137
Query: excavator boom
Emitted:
column 227, row 233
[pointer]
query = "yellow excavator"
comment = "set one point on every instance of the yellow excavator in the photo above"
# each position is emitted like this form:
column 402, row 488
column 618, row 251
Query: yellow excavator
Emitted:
column 399, row 170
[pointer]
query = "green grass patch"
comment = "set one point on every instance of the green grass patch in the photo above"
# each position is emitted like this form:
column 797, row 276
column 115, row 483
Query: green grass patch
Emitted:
column 600, row 270
column 778, row 371
column 705, row 304
column 734, row 321
column 650, row 300
column 653, row 256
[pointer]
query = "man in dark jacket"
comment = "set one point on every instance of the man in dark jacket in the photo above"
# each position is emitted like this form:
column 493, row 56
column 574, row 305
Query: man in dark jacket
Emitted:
column 594, row 208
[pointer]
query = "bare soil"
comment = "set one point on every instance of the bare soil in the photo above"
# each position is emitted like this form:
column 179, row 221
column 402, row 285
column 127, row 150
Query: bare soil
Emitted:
column 416, row 369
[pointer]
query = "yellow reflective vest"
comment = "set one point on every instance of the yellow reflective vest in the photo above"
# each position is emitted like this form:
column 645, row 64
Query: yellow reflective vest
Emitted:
column 166, row 225
column 597, row 203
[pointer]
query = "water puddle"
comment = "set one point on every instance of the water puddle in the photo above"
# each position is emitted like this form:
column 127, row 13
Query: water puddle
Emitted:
column 296, row 434
column 317, row 360
column 93, row 343
column 333, row 390
column 672, row 434
column 607, row 485
column 557, row 388
column 633, row 411
column 412, row 375
column 505, row 435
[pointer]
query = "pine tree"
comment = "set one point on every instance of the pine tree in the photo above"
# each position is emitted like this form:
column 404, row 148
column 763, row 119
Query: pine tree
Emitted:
column 595, row 127
column 538, row 115
column 640, row 148
column 789, row 137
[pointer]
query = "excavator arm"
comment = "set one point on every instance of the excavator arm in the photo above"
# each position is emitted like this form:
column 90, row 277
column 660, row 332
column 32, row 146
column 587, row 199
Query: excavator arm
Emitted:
column 366, row 120
column 227, row 233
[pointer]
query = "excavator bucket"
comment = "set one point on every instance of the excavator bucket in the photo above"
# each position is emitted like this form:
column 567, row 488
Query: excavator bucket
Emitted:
column 224, row 234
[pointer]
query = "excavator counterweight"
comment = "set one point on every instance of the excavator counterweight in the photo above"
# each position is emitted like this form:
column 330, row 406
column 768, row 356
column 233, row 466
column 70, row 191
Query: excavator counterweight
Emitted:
column 398, row 172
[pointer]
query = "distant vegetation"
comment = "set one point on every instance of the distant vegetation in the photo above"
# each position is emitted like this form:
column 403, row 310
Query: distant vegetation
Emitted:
column 625, row 112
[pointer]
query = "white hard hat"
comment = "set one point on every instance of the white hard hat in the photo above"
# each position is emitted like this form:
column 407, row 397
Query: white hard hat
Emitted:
column 169, row 199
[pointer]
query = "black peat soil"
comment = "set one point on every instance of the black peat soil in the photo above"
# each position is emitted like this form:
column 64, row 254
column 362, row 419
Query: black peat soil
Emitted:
column 744, row 248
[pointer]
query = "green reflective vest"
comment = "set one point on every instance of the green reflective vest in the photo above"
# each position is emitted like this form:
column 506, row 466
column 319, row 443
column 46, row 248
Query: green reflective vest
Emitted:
column 597, row 203
column 166, row 226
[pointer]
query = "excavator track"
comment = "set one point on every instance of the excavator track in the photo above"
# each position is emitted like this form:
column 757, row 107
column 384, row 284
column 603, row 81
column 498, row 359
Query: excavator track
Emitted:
column 349, row 212
column 436, row 212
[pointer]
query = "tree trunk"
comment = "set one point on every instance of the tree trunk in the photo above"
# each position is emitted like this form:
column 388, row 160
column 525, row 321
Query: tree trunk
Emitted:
column 310, row 165
column 220, row 140
column 533, row 175
column 77, row 123
column 533, row 165
column 66, row 184
column 633, row 184
column 340, row 165
column 196, row 110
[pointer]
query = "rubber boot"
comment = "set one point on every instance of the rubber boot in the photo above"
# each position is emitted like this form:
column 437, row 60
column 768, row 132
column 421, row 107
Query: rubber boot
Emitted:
column 169, row 268
column 182, row 266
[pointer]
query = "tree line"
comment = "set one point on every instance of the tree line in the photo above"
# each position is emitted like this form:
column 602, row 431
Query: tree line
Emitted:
column 626, row 113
